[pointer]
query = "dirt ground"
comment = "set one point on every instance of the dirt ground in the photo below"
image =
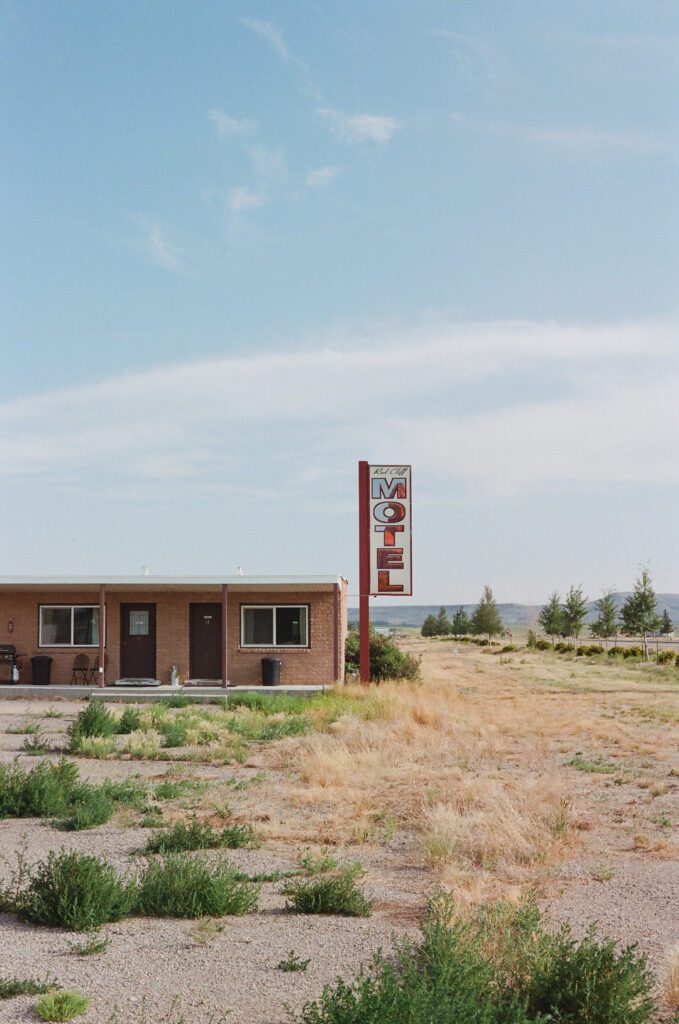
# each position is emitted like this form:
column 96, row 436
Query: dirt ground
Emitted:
column 498, row 775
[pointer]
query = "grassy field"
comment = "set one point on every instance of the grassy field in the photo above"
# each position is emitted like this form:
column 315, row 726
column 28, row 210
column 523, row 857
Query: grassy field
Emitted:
column 497, row 777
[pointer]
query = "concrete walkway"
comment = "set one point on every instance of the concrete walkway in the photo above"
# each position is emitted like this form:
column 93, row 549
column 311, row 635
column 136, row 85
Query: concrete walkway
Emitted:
column 147, row 694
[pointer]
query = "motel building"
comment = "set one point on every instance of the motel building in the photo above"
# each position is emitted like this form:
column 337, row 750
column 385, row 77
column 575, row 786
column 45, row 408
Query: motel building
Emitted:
column 202, row 630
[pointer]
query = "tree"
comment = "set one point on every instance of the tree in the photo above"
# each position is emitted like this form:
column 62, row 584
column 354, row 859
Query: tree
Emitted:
column 605, row 624
column 666, row 624
column 462, row 624
column 574, row 611
column 639, row 613
column 486, row 618
column 443, row 622
column 551, row 616
column 430, row 626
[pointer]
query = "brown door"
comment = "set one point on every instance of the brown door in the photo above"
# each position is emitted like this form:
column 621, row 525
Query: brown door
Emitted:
column 138, row 641
column 205, row 643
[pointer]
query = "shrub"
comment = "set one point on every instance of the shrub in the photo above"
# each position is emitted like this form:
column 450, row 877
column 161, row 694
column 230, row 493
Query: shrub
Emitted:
column 616, row 652
column 267, row 703
column 563, row 648
column 173, row 732
column 197, row 836
column 508, row 649
column 76, row 891
column 386, row 660
column 92, row 807
column 665, row 657
column 129, row 721
column 95, row 746
column 130, row 792
column 543, row 645
column 329, row 894
column 35, row 744
column 95, row 720
column 61, row 1006
column 632, row 652
column 11, row 987
column 44, row 791
column 589, row 650
column 184, row 886
column 499, row 968
column 178, row 700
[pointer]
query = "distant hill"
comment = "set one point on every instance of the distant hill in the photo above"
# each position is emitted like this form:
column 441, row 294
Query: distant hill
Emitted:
column 525, row 615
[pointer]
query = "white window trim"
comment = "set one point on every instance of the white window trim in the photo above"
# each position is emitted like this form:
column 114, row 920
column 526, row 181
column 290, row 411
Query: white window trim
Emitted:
column 270, row 647
column 73, row 608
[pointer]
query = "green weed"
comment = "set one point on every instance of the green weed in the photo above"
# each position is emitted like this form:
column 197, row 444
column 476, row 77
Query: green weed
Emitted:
column 330, row 894
column 61, row 1006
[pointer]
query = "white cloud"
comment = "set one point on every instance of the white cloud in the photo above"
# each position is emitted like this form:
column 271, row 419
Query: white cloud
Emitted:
column 575, row 139
column 162, row 251
column 227, row 125
column 357, row 128
column 321, row 176
column 271, row 33
column 240, row 199
column 604, row 410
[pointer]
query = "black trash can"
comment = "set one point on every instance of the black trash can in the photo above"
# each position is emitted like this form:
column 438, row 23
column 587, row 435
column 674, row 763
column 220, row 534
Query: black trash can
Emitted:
column 42, row 666
column 271, row 672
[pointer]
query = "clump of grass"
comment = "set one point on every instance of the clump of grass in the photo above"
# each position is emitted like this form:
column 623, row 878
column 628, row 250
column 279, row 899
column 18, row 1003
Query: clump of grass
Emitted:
column 143, row 746
column 498, row 968
column 330, row 894
column 184, row 886
column 76, row 891
column 178, row 700
column 91, row 947
column 595, row 766
column 318, row 863
column 25, row 729
column 53, row 713
column 95, row 746
column 293, row 963
column 61, row 1006
column 173, row 789
column 199, row 836
column 152, row 819
column 11, row 987
column 205, row 930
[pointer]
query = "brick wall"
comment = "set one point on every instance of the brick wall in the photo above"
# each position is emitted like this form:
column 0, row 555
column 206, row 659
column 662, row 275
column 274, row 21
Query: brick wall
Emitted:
column 322, row 662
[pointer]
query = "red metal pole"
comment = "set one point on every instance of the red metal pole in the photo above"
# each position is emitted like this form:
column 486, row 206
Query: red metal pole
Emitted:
column 102, row 635
column 225, row 636
column 364, row 570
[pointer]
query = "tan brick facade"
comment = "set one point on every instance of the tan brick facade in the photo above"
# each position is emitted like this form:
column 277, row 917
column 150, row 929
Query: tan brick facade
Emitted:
column 322, row 662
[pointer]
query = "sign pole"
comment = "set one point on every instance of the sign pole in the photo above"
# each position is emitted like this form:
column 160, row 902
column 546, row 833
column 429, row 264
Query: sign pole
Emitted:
column 364, row 570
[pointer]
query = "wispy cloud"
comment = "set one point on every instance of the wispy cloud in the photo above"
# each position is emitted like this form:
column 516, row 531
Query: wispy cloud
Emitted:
column 227, row 125
column 357, row 128
column 241, row 199
column 162, row 251
column 575, row 139
column 611, row 415
column 321, row 176
column 271, row 33
column 268, row 163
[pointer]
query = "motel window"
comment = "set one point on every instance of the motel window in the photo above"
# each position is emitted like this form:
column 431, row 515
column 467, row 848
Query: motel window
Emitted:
column 282, row 625
column 69, row 625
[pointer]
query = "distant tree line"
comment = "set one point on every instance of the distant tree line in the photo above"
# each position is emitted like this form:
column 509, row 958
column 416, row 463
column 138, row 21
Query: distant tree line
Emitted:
column 485, row 620
column 638, row 615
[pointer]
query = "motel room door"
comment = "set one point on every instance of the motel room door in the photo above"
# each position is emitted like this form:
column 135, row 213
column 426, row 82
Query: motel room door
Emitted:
column 205, row 641
column 138, row 641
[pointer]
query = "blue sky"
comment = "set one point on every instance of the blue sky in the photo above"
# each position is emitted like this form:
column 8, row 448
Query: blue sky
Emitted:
column 248, row 244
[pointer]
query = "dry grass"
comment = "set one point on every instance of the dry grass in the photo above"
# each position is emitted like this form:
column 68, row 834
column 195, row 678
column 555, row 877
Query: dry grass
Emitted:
column 672, row 978
column 473, row 762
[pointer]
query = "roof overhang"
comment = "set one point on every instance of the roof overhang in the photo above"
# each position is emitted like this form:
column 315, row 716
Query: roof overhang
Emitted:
column 207, row 584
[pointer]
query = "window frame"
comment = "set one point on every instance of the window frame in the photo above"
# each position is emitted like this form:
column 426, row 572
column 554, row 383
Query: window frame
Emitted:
column 71, row 644
column 274, row 645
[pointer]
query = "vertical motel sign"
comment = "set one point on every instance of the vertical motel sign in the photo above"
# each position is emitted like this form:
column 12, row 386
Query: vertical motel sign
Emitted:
column 385, row 543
